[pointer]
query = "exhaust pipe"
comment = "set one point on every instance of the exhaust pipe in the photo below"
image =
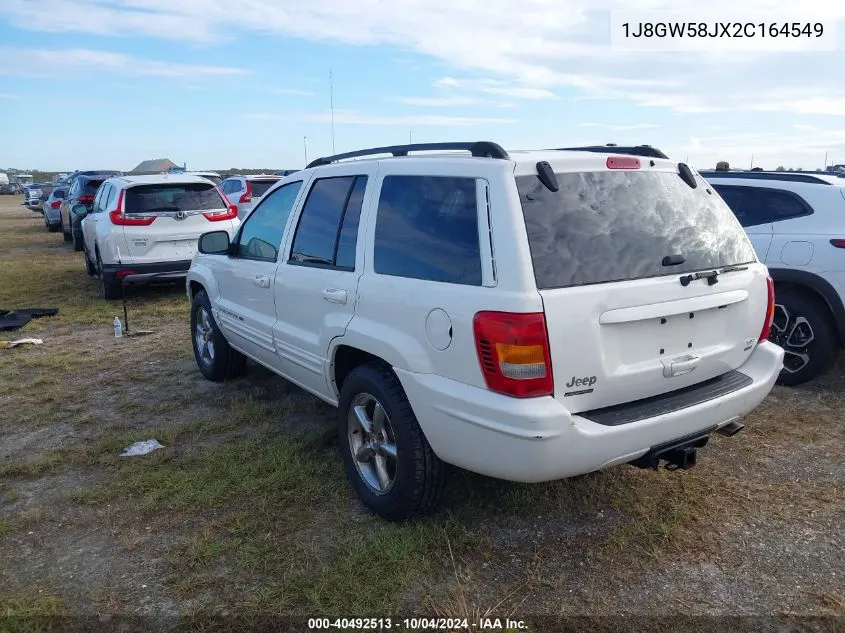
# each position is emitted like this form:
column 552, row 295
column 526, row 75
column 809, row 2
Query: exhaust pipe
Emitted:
column 730, row 429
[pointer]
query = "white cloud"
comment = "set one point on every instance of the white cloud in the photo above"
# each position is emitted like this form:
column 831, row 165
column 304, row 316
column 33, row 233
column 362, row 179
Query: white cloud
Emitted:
column 494, row 87
column 353, row 117
column 437, row 102
column 294, row 92
column 619, row 128
column 9, row 96
column 44, row 63
column 530, row 52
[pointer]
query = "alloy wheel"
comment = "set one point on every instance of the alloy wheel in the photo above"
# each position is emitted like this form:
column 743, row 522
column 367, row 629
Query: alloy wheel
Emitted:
column 204, row 337
column 373, row 443
column 795, row 335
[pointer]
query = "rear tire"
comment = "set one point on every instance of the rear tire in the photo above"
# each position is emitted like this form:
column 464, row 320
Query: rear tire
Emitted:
column 67, row 236
column 216, row 359
column 77, row 242
column 803, row 327
column 391, row 466
column 90, row 267
column 53, row 228
column 109, row 290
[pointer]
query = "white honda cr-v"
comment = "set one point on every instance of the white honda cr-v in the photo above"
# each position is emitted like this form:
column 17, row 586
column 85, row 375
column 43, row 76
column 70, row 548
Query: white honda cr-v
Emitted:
column 145, row 228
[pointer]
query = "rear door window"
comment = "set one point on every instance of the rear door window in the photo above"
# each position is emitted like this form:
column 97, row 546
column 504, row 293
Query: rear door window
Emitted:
column 328, row 225
column 427, row 228
column 172, row 198
column 619, row 225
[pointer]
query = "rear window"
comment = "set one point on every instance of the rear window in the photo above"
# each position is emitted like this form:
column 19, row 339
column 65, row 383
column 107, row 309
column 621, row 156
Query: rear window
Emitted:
column 185, row 197
column 260, row 187
column 618, row 226
column 89, row 187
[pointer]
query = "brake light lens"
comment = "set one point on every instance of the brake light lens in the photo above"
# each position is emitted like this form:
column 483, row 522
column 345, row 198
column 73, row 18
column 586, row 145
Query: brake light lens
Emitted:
column 86, row 199
column 838, row 243
column 229, row 214
column 623, row 162
column 119, row 218
column 247, row 195
column 513, row 350
column 124, row 273
column 55, row 204
column 770, row 312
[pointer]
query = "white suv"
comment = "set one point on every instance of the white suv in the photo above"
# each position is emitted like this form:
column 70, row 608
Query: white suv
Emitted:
column 246, row 191
column 145, row 228
column 530, row 316
column 796, row 222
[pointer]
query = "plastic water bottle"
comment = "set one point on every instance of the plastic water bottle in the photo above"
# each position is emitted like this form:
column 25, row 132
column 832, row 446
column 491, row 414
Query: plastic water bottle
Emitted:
column 118, row 328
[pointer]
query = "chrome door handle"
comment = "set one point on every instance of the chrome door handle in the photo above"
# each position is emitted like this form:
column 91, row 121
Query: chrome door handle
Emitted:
column 334, row 295
column 262, row 281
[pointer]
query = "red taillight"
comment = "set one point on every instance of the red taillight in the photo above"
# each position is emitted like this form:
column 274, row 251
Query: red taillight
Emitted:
column 770, row 311
column 623, row 162
column 215, row 216
column 513, row 350
column 120, row 219
column 86, row 199
column 120, row 274
column 838, row 243
column 247, row 195
column 55, row 204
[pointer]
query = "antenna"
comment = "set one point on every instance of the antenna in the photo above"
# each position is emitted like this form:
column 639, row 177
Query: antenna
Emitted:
column 331, row 105
column 305, row 147
column 410, row 137
column 752, row 161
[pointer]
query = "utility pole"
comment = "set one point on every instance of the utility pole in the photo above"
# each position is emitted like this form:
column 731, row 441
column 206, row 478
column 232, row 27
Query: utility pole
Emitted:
column 410, row 137
column 825, row 161
column 331, row 104
column 752, row 161
column 305, row 147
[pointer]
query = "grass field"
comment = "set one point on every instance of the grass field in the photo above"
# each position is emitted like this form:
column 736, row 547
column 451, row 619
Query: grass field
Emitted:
column 247, row 512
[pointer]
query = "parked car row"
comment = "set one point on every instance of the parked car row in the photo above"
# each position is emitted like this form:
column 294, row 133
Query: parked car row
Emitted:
column 11, row 189
column 528, row 315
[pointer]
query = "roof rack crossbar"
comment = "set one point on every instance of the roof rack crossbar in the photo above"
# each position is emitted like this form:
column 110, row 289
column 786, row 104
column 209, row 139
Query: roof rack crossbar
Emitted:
column 483, row 149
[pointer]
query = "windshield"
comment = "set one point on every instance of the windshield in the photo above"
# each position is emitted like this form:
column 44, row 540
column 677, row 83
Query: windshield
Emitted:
column 617, row 226
column 184, row 197
column 89, row 187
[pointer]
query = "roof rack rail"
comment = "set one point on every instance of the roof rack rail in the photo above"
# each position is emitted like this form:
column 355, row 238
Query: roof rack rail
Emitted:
column 767, row 175
column 633, row 150
column 483, row 149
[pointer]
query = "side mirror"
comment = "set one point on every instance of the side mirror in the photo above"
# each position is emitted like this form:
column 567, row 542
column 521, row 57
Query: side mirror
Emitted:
column 79, row 209
column 214, row 243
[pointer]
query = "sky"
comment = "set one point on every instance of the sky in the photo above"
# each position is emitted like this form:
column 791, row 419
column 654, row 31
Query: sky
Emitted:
column 90, row 84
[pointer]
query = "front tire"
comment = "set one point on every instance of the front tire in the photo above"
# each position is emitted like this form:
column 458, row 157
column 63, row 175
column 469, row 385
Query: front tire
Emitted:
column 803, row 327
column 216, row 359
column 388, row 460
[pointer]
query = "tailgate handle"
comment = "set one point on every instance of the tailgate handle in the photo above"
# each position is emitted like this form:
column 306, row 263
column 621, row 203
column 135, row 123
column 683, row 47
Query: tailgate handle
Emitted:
column 334, row 295
column 680, row 366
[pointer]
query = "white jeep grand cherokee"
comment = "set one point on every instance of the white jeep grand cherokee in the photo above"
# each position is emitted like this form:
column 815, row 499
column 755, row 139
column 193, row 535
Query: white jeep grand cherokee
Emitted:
column 530, row 316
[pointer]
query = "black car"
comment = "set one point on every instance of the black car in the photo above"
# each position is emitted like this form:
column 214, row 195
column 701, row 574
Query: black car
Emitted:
column 11, row 189
column 82, row 191
column 69, row 179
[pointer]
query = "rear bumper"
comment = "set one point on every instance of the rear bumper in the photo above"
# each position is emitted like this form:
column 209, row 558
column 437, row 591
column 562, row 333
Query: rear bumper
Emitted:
column 537, row 439
column 144, row 273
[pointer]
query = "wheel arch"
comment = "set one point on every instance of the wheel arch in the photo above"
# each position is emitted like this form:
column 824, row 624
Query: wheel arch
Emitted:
column 816, row 286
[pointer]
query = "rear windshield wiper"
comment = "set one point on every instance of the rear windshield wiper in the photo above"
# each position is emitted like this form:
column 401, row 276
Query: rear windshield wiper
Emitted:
column 712, row 276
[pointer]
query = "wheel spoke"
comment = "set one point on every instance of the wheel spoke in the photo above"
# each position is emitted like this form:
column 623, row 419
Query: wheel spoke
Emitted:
column 804, row 330
column 378, row 418
column 363, row 418
column 388, row 450
column 381, row 471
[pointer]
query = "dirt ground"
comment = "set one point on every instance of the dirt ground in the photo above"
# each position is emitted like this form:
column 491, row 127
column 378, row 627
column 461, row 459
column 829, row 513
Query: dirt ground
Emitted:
column 246, row 513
